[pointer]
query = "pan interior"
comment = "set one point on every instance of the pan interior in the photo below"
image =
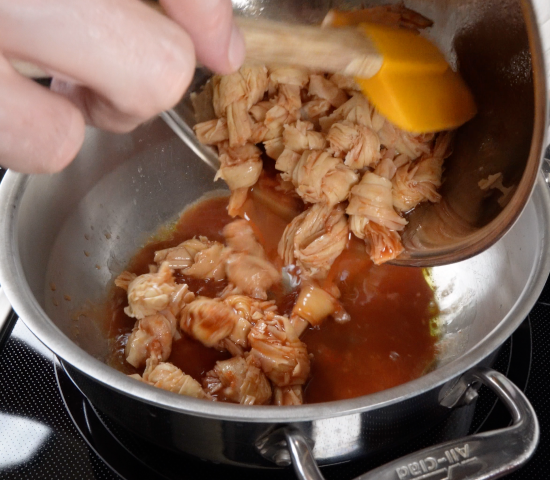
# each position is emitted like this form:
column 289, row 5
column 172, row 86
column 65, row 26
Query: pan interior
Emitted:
column 78, row 231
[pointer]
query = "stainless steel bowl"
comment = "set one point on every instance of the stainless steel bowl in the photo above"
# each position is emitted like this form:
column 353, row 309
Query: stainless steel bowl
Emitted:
column 497, row 49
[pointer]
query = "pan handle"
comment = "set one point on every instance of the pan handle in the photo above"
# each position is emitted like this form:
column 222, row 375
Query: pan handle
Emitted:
column 482, row 456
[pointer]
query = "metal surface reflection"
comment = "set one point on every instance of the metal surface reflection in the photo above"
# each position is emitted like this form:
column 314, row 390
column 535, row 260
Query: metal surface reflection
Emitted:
column 26, row 438
column 341, row 436
column 22, row 333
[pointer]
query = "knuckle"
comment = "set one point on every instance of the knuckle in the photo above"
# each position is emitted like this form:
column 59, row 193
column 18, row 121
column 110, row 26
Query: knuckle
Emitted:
column 166, row 79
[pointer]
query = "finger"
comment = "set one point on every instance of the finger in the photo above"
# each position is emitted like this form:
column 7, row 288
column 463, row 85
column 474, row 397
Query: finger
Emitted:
column 136, row 60
column 218, row 42
column 40, row 132
column 96, row 109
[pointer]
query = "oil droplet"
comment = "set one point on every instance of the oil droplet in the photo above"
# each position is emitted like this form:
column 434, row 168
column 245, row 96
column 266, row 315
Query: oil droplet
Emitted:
column 107, row 235
column 54, row 301
column 52, row 287
column 67, row 297
column 86, row 236
column 97, row 266
column 140, row 169
column 86, row 253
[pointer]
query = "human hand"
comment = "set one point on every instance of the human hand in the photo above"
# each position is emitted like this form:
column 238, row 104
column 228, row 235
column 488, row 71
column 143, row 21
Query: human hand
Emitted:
column 114, row 63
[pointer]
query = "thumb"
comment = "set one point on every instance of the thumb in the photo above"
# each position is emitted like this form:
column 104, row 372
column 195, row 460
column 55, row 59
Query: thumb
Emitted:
column 218, row 42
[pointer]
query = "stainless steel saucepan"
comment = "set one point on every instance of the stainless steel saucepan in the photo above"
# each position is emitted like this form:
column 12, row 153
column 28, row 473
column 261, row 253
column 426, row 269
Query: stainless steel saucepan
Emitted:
column 55, row 231
column 65, row 237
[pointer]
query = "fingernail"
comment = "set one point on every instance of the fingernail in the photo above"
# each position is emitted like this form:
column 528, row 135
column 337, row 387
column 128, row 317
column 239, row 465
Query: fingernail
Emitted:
column 236, row 49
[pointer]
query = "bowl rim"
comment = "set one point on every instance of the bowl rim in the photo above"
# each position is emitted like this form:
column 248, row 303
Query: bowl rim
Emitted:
column 488, row 235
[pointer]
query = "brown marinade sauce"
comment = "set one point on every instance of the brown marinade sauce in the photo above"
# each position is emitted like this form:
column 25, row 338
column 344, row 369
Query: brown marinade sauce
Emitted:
column 386, row 343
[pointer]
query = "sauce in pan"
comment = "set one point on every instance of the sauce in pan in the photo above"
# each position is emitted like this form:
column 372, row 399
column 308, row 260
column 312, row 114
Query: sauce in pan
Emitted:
column 387, row 342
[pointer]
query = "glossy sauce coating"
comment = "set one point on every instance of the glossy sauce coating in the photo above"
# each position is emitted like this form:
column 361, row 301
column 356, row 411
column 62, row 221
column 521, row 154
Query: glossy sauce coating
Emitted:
column 386, row 343
column 388, row 340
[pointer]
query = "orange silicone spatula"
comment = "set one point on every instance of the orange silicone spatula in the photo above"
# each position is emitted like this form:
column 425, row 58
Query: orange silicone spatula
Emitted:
column 404, row 75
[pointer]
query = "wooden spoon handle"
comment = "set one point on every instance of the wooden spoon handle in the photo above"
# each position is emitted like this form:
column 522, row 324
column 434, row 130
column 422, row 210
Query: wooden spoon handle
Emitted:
column 334, row 50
